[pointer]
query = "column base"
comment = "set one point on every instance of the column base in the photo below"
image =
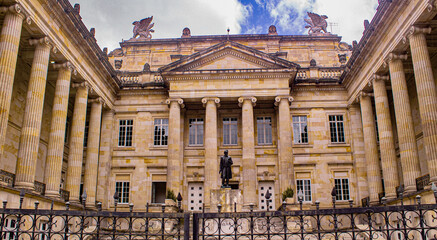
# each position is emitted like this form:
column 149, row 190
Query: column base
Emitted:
column 52, row 194
column 410, row 189
column 25, row 185
column 391, row 196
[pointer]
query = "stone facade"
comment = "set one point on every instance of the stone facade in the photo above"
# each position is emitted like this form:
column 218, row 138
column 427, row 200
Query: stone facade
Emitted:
column 289, row 109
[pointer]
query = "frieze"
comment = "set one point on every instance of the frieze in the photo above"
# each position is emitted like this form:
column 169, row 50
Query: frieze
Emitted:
column 228, row 77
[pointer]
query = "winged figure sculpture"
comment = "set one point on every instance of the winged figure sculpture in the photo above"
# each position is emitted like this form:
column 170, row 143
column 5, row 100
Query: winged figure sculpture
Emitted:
column 316, row 23
column 143, row 28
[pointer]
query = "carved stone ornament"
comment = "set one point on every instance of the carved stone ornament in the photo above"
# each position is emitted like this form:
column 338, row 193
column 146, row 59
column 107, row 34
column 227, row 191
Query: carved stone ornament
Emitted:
column 313, row 63
column 241, row 101
column 186, row 32
column 143, row 28
column 180, row 101
column 66, row 65
column 342, row 58
column 317, row 23
column 207, row 99
column 118, row 63
column 279, row 98
column 394, row 56
column 146, row 67
column 272, row 30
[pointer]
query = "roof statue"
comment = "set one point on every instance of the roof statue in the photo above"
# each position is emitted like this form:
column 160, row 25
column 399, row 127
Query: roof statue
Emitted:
column 143, row 28
column 316, row 23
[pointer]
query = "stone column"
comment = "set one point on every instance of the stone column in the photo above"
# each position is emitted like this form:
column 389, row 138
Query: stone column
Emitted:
column 371, row 149
column 285, row 151
column 55, row 149
column 75, row 156
column 427, row 95
column 358, row 151
column 404, row 121
column 105, row 158
column 174, row 162
column 211, row 146
column 9, row 43
column 92, row 152
column 31, row 128
column 386, row 142
column 248, row 160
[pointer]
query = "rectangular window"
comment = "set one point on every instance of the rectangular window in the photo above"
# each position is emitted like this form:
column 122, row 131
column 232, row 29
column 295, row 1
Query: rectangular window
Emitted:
column 300, row 129
column 196, row 131
column 85, row 136
column 342, row 188
column 230, row 131
column 304, row 185
column 264, row 128
column 158, row 192
column 336, row 126
column 161, row 132
column 122, row 184
column 125, row 133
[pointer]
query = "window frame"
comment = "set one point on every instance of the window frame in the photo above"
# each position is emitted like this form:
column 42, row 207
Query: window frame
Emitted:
column 161, row 125
column 196, row 125
column 264, row 124
column 336, row 122
column 230, row 131
column 299, row 123
column 305, row 199
column 125, row 138
column 122, row 193
column 341, row 196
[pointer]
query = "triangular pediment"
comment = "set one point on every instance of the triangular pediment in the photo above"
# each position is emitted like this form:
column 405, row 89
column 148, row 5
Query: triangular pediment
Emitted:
column 228, row 56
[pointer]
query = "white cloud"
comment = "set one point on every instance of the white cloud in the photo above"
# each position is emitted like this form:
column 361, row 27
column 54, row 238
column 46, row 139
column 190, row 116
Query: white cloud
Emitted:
column 282, row 11
column 113, row 19
column 348, row 14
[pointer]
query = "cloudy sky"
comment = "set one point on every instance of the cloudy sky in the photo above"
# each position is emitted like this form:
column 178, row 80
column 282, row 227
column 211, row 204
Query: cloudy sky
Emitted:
column 113, row 18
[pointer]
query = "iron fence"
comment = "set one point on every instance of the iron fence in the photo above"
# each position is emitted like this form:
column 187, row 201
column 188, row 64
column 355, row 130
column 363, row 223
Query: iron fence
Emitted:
column 400, row 222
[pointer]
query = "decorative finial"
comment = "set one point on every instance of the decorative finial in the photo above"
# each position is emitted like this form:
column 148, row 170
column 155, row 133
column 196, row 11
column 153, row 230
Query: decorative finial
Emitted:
column 228, row 32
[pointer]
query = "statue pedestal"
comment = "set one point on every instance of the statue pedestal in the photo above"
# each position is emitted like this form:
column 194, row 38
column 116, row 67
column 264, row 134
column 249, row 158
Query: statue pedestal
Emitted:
column 227, row 198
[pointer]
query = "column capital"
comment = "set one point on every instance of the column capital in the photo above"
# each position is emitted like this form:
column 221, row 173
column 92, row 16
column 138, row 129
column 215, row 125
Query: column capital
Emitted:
column 66, row 65
column 216, row 100
column 180, row 101
column 41, row 41
column 241, row 100
column 377, row 77
column 83, row 84
column 395, row 56
column 97, row 100
column 363, row 94
column 17, row 10
column 416, row 30
column 279, row 98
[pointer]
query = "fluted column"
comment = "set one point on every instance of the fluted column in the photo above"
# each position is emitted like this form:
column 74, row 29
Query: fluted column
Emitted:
column 211, row 146
column 285, row 151
column 371, row 149
column 427, row 95
column 75, row 156
column 358, row 151
column 386, row 142
column 92, row 152
column 174, row 162
column 31, row 128
column 248, row 161
column 9, row 43
column 105, row 158
column 404, row 122
column 55, row 149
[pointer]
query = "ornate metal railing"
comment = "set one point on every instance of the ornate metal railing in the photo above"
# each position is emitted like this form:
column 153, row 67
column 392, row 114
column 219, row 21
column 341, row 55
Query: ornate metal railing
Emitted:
column 421, row 182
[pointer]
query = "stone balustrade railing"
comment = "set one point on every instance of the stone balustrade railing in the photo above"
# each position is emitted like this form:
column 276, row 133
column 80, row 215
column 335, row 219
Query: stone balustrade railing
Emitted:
column 316, row 73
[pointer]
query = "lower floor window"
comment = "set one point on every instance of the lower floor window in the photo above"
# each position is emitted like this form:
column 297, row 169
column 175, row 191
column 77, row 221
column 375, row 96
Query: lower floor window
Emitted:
column 304, row 185
column 158, row 192
column 342, row 188
column 123, row 191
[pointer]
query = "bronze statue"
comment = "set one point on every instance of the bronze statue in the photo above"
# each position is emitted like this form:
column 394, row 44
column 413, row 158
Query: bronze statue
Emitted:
column 225, row 169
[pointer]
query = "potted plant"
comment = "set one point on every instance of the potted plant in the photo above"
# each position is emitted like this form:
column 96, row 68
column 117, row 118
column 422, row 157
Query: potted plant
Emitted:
column 287, row 195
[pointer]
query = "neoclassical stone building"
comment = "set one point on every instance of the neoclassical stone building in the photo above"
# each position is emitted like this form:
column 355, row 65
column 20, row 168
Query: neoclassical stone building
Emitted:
column 306, row 112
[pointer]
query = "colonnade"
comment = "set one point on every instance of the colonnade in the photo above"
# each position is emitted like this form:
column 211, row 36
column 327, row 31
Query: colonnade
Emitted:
column 249, row 174
column 31, row 127
column 427, row 98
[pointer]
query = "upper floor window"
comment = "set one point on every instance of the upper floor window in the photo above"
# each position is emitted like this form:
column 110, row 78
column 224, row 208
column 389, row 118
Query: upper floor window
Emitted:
column 125, row 133
column 264, row 130
column 300, row 129
column 196, row 131
column 342, row 188
column 161, row 132
column 122, row 183
column 336, row 126
column 304, row 185
column 230, row 131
